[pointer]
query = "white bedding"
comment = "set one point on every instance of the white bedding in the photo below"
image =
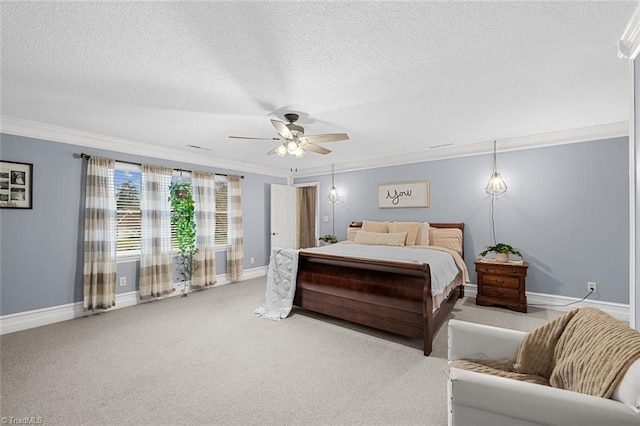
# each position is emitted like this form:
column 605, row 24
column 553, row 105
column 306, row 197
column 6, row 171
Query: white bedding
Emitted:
column 442, row 264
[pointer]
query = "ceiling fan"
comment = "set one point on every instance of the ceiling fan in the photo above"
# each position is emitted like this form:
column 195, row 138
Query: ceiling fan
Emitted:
column 295, row 141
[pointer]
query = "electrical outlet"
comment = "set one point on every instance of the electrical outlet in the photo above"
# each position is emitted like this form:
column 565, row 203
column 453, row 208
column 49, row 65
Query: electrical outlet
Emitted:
column 123, row 281
column 325, row 219
column 252, row 260
column 591, row 286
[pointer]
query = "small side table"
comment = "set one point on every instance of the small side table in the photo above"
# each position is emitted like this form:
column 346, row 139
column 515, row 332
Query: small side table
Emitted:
column 502, row 284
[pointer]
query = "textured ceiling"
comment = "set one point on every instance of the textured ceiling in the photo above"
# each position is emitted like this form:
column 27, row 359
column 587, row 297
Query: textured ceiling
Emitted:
column 398, row 77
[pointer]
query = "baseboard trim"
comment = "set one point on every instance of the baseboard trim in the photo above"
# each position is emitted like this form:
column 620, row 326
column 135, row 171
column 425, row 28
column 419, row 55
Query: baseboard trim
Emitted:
column 554, row 302
column 39, row 317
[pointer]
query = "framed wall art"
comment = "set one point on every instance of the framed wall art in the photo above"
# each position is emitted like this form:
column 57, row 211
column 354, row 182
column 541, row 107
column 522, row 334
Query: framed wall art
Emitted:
column 406, row 194
column 16, row 185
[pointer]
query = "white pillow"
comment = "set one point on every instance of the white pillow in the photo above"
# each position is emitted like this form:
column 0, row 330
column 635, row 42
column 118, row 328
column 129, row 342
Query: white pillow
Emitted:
column 422, row 239
column 628, row 390
column 380, row 238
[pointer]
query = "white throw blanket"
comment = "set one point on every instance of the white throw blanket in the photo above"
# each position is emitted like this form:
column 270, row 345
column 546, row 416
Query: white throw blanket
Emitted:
column 281, row 284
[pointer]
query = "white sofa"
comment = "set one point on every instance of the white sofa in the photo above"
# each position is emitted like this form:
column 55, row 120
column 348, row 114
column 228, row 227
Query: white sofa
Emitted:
column 482, row 399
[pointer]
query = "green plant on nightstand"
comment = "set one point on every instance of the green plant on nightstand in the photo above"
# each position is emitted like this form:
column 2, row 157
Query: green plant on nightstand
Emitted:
column 502, row 252
column 328, row 239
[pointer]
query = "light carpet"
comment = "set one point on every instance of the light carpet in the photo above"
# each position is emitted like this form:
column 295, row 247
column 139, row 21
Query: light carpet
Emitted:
column 207, row 359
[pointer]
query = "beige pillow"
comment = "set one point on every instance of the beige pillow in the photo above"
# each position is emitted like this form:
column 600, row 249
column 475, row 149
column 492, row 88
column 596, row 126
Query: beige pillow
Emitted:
column 351, row 233
column 372, row 226
column 422, row 239
column 450, row 238
column 380, row 238
column 411, row 228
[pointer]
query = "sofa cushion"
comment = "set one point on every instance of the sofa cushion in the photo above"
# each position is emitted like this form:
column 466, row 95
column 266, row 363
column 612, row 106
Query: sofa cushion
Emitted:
column 628, row 391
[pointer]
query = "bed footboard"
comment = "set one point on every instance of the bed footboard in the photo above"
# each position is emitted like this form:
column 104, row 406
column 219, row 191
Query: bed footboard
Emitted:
column 390, row 296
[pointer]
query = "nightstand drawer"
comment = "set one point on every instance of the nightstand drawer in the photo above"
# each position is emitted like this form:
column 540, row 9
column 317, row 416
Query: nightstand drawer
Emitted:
column 504, row 293
column 501, row 281
column 501, row 270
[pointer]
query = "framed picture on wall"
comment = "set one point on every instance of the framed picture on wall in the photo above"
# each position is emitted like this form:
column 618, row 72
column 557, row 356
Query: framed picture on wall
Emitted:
column 16, row 185
column 406, row 194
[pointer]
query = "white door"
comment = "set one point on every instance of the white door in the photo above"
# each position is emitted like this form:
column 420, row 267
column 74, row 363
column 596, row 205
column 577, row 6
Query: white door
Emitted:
column 283, row 216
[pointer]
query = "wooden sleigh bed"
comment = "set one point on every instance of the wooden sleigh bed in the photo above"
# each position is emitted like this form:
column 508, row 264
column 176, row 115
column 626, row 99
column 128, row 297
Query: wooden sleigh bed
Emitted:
column 387, row 295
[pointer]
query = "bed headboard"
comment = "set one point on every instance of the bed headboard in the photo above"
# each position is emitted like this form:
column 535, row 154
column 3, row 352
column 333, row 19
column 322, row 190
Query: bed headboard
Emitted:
column 459, row 226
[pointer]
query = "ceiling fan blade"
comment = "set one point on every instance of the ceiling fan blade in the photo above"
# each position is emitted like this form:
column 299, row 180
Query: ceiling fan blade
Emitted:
column 273, row 151
column 258, row 139
column 282, row 129
column 315, row 148
column 327, row 137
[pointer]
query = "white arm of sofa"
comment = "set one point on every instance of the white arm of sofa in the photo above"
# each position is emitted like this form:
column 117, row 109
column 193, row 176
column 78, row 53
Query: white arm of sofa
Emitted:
column 533, row 403
column 468, row 340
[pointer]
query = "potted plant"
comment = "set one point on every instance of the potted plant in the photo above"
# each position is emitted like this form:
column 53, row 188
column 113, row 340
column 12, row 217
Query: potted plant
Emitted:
column 502, row 252
column 182, row 218
column 328, row 239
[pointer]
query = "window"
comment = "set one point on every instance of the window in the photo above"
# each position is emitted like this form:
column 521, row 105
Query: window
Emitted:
column 128, row 181
column 221, row 210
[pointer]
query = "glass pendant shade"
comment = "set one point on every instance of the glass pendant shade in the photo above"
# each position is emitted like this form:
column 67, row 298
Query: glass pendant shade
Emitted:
column 333, row 195
column 496, row 185
column 291, row 147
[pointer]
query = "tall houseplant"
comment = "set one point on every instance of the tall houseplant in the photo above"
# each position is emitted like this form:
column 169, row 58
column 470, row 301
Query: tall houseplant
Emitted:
column 183, row 219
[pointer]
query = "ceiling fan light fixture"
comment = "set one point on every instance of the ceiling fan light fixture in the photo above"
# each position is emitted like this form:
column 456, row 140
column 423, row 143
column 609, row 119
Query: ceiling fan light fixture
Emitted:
column 299, row 152
column 281, row 150
column 291, row 147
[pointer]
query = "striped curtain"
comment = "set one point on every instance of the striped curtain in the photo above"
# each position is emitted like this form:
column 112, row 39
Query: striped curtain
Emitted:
column 235, row 234
column 99, row 271
column 204, row 197
column 156, row 260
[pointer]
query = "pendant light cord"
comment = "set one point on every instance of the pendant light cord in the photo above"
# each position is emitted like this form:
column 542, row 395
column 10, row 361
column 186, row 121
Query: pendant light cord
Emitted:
column 493, row 199
column 493, row 220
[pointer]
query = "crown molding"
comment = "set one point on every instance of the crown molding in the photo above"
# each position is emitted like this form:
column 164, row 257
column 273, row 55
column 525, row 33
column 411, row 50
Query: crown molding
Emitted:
column 46, row 132
column 563, row 137
column 629, row 44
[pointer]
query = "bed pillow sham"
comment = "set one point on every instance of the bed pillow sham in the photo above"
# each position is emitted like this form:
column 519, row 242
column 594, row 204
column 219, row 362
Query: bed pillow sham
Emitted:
column 449, row 238
column 380, row 238
column 411, row 228
column 422, row 238
column 373, row 226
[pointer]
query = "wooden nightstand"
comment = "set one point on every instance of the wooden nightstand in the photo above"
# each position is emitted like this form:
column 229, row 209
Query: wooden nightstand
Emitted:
column 502, row 284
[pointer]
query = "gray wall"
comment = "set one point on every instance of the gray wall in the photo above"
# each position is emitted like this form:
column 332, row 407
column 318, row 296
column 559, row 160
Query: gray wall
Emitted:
column 41, row 249
column 566, row 209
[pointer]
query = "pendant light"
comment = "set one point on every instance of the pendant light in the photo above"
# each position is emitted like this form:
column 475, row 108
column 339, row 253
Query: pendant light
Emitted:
column 333, row 194
column 496, row 185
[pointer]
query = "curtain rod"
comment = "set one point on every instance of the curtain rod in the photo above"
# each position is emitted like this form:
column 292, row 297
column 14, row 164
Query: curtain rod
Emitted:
column 87, row 156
